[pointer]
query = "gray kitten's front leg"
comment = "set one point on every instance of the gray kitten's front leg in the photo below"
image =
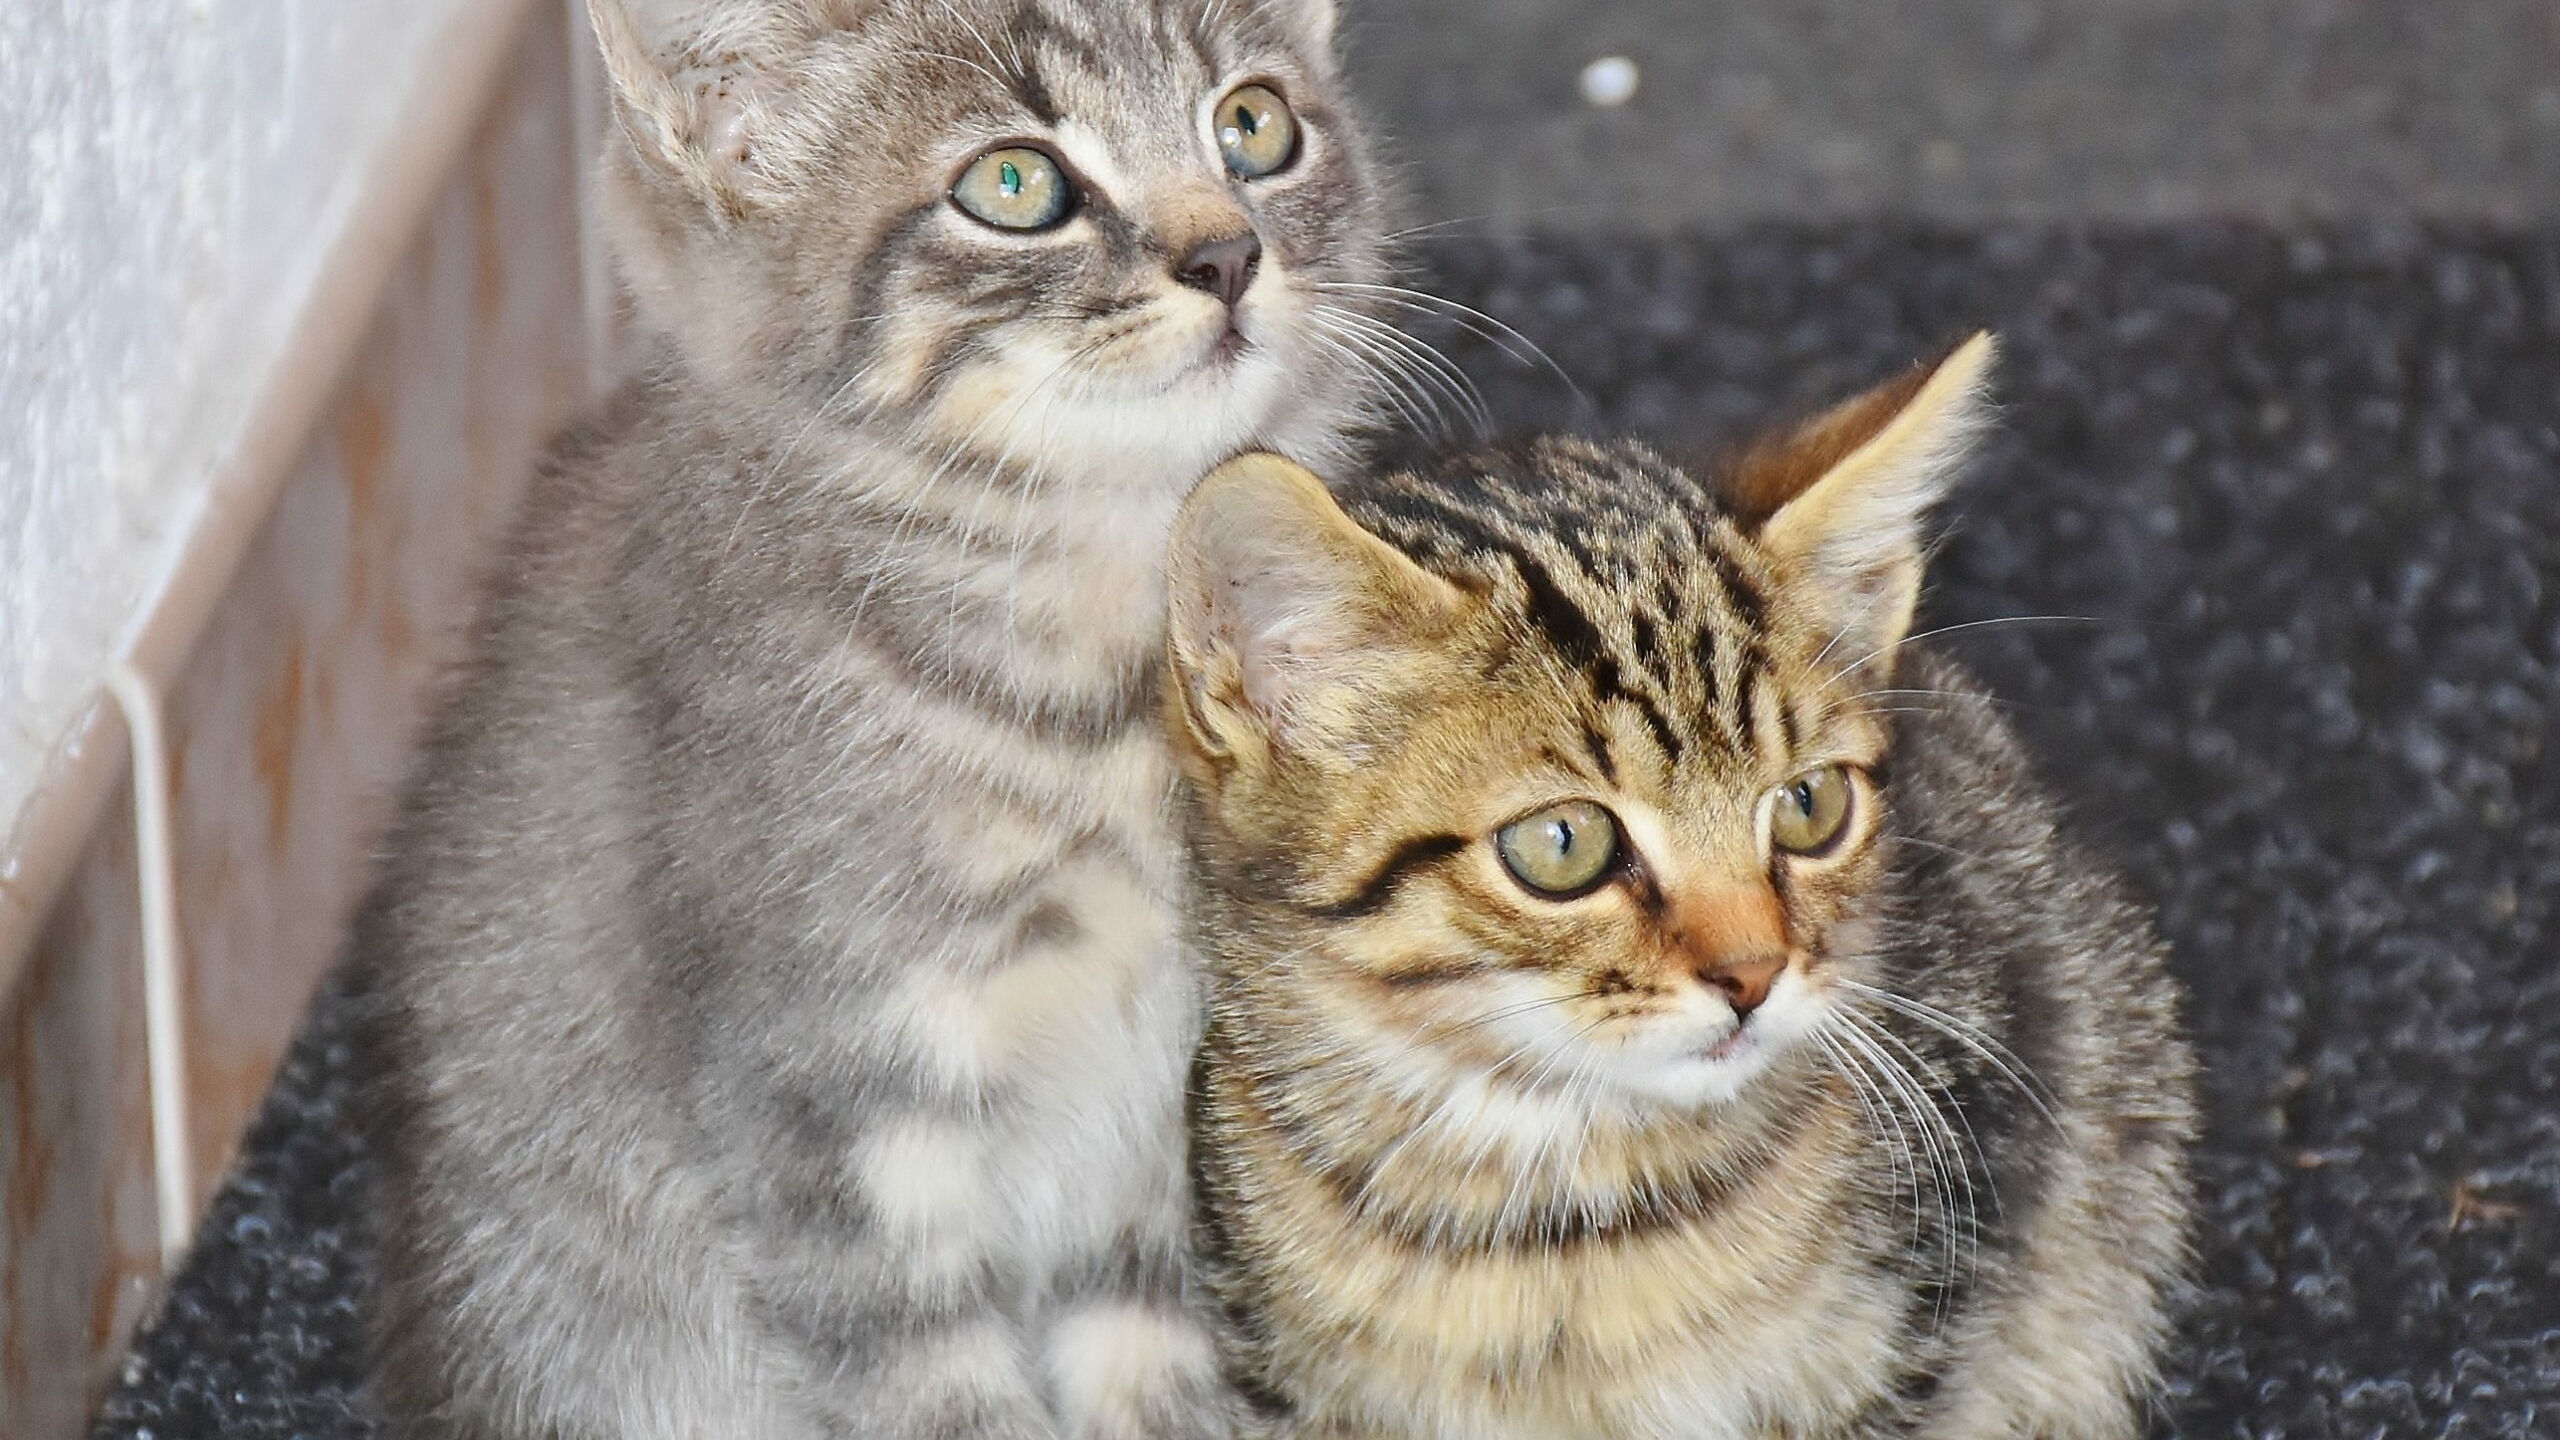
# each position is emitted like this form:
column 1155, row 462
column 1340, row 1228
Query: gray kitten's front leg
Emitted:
column 1117, row 1357
column 881, row 1346
column 1132, row 1360
column 905, row 1268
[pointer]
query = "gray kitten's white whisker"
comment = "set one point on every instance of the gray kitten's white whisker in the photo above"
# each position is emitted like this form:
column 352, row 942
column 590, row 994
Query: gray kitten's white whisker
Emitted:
column 1428, row 373
column 1462, row 390
column 983, row 43
column 1423, row 353
column 956, row 60
column 1501, row 333
column 1395, row 387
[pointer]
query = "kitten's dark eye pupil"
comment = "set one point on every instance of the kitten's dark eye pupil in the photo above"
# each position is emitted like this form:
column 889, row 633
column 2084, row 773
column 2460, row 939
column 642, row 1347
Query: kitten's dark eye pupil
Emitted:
column 1563, row 831
column 1803, row 796
column 1246, row 121
column 1010, row 178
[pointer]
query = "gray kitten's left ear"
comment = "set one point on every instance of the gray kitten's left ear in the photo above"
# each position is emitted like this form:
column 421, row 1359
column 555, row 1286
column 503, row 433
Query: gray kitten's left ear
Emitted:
column 1840, row 500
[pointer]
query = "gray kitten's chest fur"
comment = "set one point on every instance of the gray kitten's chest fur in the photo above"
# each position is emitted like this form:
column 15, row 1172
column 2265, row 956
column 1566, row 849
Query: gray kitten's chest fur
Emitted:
column 778, row 1000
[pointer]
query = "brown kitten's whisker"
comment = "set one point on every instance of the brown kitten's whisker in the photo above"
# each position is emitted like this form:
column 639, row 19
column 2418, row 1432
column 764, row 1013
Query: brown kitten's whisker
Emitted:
column 1882, row 650
column 1987, row 1047
column 1507, row 1011
column 1929, row 693
column 1938, row 1145
column 1881, row 1112
column 1937, row 1138
column 1860, row 1088
column 1943, row 849
column 1525, row 1177
column 1923, row 1070
column 1861, row 1054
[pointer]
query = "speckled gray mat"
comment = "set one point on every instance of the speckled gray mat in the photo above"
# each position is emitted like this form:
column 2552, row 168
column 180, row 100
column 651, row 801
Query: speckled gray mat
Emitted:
column 2308, row 493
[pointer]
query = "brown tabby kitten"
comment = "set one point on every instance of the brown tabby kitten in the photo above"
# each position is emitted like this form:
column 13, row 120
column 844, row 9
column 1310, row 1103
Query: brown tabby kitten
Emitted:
column 1634, row 1016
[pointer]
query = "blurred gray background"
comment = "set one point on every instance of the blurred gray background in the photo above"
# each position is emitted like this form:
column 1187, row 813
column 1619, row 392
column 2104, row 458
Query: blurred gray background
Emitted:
column 1967, row 110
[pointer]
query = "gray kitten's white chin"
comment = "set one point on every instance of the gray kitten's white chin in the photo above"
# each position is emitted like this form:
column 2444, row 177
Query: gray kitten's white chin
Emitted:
column 1141, row 426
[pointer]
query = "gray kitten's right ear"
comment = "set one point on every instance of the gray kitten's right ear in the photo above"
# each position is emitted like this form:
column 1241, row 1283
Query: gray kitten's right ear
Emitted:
column 690, row 136
column 1281, row 610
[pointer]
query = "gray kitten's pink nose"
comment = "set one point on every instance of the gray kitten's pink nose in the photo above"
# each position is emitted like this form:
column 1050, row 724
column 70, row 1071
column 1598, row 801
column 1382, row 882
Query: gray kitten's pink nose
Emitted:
column 1223, row 267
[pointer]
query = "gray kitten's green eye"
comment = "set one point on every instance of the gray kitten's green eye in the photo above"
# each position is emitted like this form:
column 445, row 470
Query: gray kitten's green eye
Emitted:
column 1256, row 133
column 1015, row 188
column 1562, row 850
column 1809, row 812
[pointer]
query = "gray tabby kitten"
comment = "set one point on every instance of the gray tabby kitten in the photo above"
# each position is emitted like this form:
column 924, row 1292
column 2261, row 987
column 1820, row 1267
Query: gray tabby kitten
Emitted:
column 1652, row 999
column 777, row 963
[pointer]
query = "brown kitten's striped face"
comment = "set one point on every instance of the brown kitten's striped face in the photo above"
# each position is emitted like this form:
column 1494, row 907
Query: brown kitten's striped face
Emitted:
column 1064, row 230
column 1575, row 784
column 1625, row 878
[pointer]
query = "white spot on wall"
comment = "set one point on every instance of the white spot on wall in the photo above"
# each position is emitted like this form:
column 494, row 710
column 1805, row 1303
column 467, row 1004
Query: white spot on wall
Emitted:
column 1610, row 81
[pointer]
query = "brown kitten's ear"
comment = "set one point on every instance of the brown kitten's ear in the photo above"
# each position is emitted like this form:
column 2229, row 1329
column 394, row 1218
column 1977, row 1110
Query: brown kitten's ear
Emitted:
column 1838, row 501
column 1282, row 611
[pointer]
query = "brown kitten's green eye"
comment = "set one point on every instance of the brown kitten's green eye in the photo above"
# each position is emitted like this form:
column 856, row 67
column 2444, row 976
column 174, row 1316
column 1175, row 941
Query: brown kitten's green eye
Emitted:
column 1561, row 850
column 1809, row 812
column 1256, row 133
column 1015, row 188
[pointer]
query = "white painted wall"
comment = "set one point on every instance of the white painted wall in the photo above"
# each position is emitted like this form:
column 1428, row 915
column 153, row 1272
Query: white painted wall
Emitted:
column 183, row 184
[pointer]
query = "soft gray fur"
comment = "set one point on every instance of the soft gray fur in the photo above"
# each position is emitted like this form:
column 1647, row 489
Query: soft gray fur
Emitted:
column 778, row 967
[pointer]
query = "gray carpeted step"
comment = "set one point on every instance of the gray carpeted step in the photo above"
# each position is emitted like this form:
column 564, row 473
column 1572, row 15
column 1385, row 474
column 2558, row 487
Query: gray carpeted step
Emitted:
column 2307, row 491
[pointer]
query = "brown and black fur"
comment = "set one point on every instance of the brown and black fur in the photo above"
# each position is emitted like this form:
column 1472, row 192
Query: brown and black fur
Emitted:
column 1454, row 1183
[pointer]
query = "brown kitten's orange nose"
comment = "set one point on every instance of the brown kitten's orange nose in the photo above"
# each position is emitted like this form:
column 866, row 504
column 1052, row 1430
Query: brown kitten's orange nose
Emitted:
column 1223, row 267
column 1745, row 979
column 1734, row 939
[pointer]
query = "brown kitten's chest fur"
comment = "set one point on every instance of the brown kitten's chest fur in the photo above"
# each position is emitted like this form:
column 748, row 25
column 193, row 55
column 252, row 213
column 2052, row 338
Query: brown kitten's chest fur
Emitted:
column 1795, row 1267
column 1633, row 1284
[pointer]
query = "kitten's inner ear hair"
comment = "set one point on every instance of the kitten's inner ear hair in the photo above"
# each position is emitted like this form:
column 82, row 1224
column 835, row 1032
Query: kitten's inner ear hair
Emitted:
column 693, row 121
column 1282, row 611
column 1838, row 501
